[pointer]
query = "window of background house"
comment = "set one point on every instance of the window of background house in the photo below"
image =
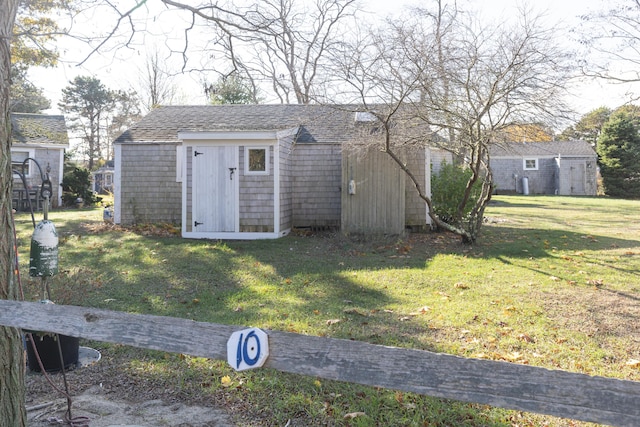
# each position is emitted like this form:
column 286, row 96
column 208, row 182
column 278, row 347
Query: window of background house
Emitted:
column 18, row 157
column 256, row 160
column 530, row 164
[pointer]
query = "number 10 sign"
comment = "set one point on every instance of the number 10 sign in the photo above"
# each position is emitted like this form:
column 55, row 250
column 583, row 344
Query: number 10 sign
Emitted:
column 247, row 349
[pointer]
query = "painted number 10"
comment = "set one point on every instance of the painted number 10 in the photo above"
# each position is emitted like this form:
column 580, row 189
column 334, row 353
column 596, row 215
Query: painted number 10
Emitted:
column 247, row 349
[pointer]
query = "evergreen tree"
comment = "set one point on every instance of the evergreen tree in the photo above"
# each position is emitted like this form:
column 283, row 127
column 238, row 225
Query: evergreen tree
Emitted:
column 88, row 102
column 619, row 155
column 231, row 89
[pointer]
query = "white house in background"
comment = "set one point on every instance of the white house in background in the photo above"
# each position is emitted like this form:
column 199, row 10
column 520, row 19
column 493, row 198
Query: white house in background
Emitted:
column 45, row 139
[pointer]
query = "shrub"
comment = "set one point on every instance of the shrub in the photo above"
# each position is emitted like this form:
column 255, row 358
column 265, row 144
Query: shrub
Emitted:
column 76, row 183
column 448, row 188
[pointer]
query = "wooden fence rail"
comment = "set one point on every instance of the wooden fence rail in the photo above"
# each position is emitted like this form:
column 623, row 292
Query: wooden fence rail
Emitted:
column 501, row 384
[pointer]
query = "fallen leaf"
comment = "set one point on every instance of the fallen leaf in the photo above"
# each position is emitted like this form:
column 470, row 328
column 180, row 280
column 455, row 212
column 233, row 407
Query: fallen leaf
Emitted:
column 513, row 357
column 460, row 285
column 422, row 310
column 633, row 363
column 525, row 338
column 333, row 321
column 352, row 415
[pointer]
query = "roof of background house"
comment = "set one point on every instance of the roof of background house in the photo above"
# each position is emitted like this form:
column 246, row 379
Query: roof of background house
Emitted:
column 542, row 149
column 316, row 123
column 38, row 129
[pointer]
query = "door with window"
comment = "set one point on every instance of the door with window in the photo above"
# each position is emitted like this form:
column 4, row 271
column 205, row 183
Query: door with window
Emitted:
column 215, row 178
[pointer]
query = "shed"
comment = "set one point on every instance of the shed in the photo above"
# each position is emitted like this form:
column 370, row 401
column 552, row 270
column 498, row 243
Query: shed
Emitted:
column 258, row 171
column 102, row 178
column 560, row 167
column 42, row 138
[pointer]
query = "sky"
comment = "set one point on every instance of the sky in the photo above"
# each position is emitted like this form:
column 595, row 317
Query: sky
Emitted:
column 120, row 70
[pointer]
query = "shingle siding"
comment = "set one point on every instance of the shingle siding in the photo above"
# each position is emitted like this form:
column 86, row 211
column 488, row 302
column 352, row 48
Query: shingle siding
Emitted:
column 286, row 182
column 316, row 186
column 564, row 168
column 148, row 188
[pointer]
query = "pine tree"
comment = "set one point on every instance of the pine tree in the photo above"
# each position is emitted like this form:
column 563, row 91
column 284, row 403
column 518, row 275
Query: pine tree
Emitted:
column 618, row 149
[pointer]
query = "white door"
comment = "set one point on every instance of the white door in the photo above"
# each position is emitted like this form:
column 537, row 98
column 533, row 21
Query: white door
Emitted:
column 215, row 177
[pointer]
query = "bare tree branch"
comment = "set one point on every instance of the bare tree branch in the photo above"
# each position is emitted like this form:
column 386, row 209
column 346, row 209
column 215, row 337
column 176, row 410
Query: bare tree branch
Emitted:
column 458, row 85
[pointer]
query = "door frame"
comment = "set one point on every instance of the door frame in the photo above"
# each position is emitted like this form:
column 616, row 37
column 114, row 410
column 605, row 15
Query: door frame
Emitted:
column 235, row 139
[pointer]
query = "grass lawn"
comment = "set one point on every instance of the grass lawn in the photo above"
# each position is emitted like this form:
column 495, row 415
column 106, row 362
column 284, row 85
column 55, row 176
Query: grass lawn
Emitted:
column 552, row 281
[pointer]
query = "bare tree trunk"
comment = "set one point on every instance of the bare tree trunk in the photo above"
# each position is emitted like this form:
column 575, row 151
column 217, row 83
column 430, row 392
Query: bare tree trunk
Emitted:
column 12, row 394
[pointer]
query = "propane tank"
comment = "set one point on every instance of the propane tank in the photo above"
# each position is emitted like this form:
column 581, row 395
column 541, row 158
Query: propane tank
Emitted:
column 44, row 250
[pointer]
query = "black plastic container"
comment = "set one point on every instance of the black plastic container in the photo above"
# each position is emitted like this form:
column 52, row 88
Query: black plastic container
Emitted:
column 47, row 346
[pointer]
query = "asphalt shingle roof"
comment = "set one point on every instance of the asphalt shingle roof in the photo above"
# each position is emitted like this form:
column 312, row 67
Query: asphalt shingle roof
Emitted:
column 533, row 149
column 38, row 129
column 318, row 123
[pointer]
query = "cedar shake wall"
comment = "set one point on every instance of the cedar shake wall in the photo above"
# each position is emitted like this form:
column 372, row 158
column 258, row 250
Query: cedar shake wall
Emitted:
column 256, row 197
column 541, row 181
column 45, row 157
column 438, row 157
column 504, row 179
column 149, row 192
column 316, row 184
column 286, row 182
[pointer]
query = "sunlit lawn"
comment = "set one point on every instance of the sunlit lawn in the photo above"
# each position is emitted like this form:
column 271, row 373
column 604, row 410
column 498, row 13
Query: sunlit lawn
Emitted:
column 552, row 281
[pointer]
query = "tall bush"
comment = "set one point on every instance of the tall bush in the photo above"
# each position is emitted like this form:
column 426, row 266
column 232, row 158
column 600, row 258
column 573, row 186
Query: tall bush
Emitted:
column 76, row 183
column 448, row 187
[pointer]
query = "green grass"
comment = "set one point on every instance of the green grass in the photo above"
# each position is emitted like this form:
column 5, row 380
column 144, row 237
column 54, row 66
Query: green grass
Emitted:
column 552, row 281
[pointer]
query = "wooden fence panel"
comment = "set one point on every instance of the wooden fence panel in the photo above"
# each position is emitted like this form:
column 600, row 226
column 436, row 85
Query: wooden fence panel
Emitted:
column 500, row 384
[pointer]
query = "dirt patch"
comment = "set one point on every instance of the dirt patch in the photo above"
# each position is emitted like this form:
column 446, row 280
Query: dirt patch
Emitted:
column 598, row 312
column 105, row 395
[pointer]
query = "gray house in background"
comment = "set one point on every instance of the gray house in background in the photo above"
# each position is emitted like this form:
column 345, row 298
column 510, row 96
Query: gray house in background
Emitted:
column 102, row 179
column 258, row 171
column 43, row 138
column 567, row 168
